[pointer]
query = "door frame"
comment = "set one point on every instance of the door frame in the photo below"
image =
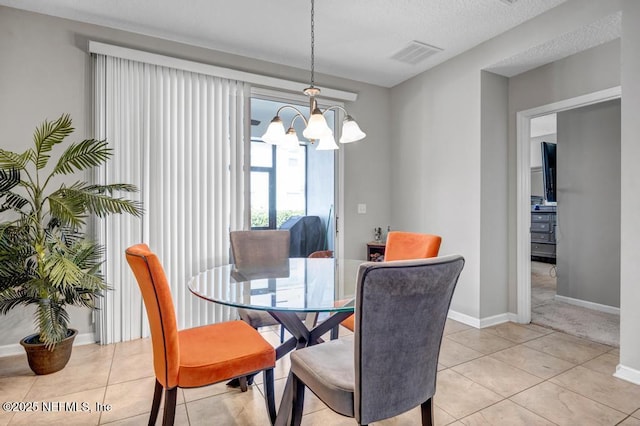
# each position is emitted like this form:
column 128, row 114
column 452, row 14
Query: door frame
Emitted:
column 523, row 197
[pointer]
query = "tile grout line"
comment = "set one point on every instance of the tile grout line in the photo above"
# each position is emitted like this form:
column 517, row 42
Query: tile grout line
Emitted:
column 588, row 397
column 106, row 386
column 572, row 391
column 565, row 371
column 621, row 421
column 510, row 396
column 522, row 406
column 523, row 390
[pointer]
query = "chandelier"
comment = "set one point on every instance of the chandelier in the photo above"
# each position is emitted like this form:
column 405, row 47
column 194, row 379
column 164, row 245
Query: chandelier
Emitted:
column 316, row 127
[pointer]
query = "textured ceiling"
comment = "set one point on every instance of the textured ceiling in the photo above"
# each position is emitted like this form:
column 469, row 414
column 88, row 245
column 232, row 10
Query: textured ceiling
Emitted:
column 354, row 39
column 601, row 31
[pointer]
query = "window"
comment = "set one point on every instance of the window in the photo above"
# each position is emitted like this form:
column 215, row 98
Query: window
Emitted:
column 278, row 175
column 278, row 184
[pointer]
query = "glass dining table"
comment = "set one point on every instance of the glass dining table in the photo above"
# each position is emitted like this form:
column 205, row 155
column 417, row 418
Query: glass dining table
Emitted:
column 300, row 285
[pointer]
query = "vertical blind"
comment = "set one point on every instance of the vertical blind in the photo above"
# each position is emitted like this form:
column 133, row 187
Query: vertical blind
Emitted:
column 180, row 137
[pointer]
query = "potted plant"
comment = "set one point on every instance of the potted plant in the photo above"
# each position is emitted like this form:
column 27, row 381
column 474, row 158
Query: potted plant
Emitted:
column 45, row 258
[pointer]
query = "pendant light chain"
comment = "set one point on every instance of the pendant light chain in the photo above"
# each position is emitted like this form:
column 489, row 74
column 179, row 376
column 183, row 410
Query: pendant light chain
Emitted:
column 312, row 43
column 316, row 128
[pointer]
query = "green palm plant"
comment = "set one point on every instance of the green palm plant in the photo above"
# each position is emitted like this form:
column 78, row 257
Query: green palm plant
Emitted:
column 45, row 258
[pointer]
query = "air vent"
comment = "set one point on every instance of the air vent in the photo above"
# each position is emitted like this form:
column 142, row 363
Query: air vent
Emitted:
column 415, row 52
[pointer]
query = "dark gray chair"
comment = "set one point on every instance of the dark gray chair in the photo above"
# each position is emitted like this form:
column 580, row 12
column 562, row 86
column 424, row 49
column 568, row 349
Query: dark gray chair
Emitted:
column 390, row 367
column 255, row 251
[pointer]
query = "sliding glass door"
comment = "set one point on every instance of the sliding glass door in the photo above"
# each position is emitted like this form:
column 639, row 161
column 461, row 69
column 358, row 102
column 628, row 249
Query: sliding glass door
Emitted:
column 290, row 184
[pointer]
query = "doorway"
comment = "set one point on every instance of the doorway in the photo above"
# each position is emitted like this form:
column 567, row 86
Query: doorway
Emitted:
column 292, row 187
column 524, row 266
column 543, row 138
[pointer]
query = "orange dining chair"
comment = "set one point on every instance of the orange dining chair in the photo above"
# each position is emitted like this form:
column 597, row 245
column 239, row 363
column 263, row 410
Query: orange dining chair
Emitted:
column 405, row 246
column 198, row 356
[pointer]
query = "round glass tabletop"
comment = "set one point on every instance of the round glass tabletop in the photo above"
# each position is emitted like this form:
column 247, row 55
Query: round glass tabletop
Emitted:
column 301, row 285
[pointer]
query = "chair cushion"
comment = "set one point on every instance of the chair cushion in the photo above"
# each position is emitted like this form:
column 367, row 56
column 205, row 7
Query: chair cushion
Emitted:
column 328, row 371
column 222, row 351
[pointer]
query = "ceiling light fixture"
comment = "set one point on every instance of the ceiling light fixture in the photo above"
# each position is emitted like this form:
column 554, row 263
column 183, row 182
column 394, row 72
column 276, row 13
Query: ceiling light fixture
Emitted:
column 316, row 125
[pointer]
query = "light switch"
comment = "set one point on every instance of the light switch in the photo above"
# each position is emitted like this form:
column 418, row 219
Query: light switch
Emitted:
column 362, row 208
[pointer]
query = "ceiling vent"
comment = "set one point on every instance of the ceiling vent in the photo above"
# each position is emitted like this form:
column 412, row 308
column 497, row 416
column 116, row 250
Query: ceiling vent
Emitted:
column 415, row 52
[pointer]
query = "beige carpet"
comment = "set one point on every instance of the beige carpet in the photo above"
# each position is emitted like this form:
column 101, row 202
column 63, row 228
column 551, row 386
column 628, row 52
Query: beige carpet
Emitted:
column 594, row 325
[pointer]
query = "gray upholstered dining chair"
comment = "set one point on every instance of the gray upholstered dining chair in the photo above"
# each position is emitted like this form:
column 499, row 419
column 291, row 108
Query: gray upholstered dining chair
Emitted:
column 390, row 367
column 259, row 250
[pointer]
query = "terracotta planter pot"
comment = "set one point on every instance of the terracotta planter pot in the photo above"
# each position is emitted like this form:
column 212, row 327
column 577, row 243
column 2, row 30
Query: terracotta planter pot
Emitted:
column 43, row 361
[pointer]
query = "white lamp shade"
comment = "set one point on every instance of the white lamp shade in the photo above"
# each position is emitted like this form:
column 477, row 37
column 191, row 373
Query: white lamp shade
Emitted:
column 316, row 127
column 351, row 131
column 290, row 140
column 327, row 142
column 275, row 132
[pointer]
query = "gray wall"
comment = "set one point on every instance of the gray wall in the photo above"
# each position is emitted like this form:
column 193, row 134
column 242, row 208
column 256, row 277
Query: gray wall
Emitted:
column 437, row 156
column 493, row 190
column 436, row 162
column 45, row 71
column 630, row 201
column 436, row 146
column 588, row 231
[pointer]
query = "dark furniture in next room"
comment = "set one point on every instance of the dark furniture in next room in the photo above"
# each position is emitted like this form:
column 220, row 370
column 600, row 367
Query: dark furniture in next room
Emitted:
column 543, row 233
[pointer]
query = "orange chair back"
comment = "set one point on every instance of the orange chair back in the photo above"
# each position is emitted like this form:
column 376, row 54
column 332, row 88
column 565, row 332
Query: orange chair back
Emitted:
column 410, row 245
column 162, row 317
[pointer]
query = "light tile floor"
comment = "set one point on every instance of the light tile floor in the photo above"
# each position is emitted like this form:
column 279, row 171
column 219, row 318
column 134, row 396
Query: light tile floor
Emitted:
column 508, row 374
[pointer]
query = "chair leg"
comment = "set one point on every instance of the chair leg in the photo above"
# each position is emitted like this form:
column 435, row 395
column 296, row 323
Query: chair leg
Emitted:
column 243, row 383
column 155, row 406
column 298, row 401
column 234, row 383
column 426, row 409
column 169, row 406
column 334, row 332
column 269, row 394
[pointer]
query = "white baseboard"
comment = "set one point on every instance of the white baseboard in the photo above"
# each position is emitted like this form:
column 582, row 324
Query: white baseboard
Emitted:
column 16, row 349
column 482, row 322
column 464, row 318
column 498, row 319
column 590, row 305
column 627, row 373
